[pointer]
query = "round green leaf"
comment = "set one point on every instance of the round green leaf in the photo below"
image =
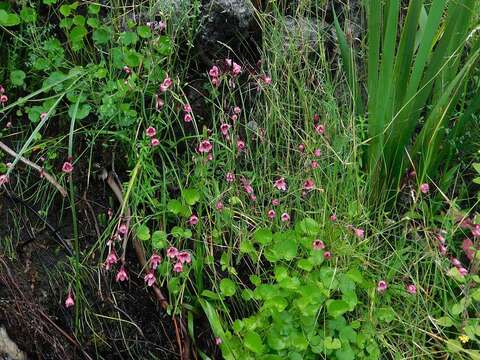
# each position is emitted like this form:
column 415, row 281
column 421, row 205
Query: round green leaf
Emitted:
column 17, row 77
column 28, row 14
column 144, row 31
column 143, row 232
column 227, row 287
column 263, row 236
column 336, row 308
column 253, row 342
column 159, row 239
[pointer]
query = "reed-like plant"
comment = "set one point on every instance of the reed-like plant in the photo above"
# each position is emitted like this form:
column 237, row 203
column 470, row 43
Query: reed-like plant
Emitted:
column 418, row 69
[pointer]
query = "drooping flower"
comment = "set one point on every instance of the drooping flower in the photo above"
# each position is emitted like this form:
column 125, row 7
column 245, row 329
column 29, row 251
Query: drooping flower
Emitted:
column 2, row 89
column 318, row 244
column 69, row 302
column 193, row 220
column 216, row 82
column 301, row 148
column 230, row 177
column 267, row 79
column 235, row 68
column 317, row 152
column 121, row 275
column 275, row 202
column 67, row 167
column 455, row 262
column 285, row 217
column 476, row 230
column 184, row 257
column 3, row 99
column 187, row 118
column 205, row 146
column 159, row 103
column 151, row 132
column 280, row 184
column 111, row 260
column 360, row 233
column 219, row 206
column 187, row 108
column 218, row 341
column 314, row 164
column 154, row 142
column 382, row 286
column 150, row 278
column 127, row 70
column 333, row 217
column 3, row 179
column 240, row 145
column 320, row 129
column 172, row 252
column 214, row 72
column 224, row 128
column 178, row 267
column 122, row 229
column 468, row 248
column 316, row 118
column 327, row 255
column 309, row 184
column 425, row 188
column 237, row 110
column 271, row 214
column 411, row 289
column 442, row 249
column 463, row 271
column 167, row 82
column 154, row 260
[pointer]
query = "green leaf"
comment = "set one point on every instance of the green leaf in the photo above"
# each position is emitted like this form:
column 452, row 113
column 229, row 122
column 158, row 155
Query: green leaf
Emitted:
column 132, row 58
column 128, row 38
column 94, row 9
column 82, row 111
column 28, row 15
column 79, row 20
column 191, row 196
column 332, row 344
column 144, row 31
column 454, row 346
column 174, row 206
column 17, row 77
column 476, row 294
column 78, row 33
column 49, row 2
column 308, row 227
column 287, row 248
column 93, row 23
column 159, row 239
column 164, row 45
column 101, row 35
column 227, row 287
column 8, row 19
column 457, row 308
column 263, row 236
column 305, row 264
column 143, row 232
column 337, row 308
column 253, row 342
column 386, row 314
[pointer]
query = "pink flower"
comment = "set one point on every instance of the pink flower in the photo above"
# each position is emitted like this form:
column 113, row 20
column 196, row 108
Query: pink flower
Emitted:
column 69, row 302
column 218, row 341
column 237, row 110
column 121, row 275
column 411, row 289
column 280, row 184
column 440, row 238
column 214, row 72
column 455, row 262
column 318, row 152
column 216, row 82
column 187, row 108
column 271, row 214
column 425, row 188
column 382, row 286
column 159, row 103
column 235, row 68
column 316, row 118
column 442, row 249
column 209, row 157
column 320, row 129
column 224, row 128
column 166, row 84
column 285, row 217
column 43, row 115
column 160, row 26
column 267, row 79
column 253, row 197
column 318, row 244
column 178, row 267
column 154, row 260
column 111, row 260
column 234, row 117
column 275, row 202
column 468, row 248
column 333, row 217
column 314, row 164
column 67, row 167
column 327, row 255
column 476, row 230
column 172, row 252
column 3, row 179
column 230, row 177
column 151, row 132
column 205, row 146
column 150, row 278
column 187, row 118
column 127, row 70
column 3, row 99
column 219, row 205
column 360, row 233
column 2, row 89
column 301, row 148
column 123, row 229
column 240, row 145
column 154, row 142
column 193, row 220
column 184, row 257
column 463, row 271
column 309, row 184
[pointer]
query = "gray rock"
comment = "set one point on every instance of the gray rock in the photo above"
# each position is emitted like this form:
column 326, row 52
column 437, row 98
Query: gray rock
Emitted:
column 225, row 24
column 8, row 349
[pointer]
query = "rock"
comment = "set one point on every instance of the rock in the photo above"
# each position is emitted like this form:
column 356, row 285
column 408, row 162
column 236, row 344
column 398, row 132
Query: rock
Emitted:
column 8, row 349
column 304, row 32
column 228, row 24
